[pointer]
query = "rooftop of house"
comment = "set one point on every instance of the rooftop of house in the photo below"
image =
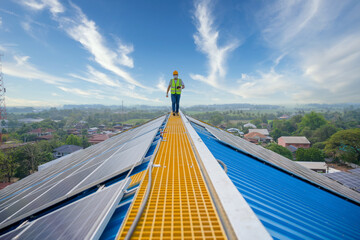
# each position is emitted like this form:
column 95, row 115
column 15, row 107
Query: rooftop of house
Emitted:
column 295, row 140
column 255, row 135
column 262, row 131
column 67, row 149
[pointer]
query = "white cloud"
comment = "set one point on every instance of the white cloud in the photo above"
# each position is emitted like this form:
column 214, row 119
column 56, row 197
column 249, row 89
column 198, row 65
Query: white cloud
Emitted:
column 282, row 21
column 97, row 77
column 206, row 39
column 85, row 31
column 321, row 38
column 162, row 84
column 262, row 87
column 20, row 102
column 54, row 6
column 84, row 93
column 76, row 24
column 23, row 69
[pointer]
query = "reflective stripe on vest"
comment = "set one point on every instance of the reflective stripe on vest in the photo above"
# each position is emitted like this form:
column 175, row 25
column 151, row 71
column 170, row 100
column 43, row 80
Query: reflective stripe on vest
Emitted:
column 174, row 86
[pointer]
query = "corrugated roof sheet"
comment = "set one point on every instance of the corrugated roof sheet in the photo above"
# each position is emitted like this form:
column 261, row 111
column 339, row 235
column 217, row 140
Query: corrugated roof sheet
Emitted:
column 279, row 160
column 289, row 207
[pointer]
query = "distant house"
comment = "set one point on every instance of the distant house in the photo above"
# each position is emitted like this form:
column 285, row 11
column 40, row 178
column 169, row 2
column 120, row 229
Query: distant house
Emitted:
column 10, row 146
column 319, row 167
column 292, row 148
column 298, row 142
column 222, row 126
column 97, row 138
column 73, row 131
column 118, row 127
column 65, row 150
column 127, row 126
column 235, row 130
column 284, row 117
column 45, row 137
column 256, row 137
column 262, row 131
column 92, row 130
column 41, row 132
column 30, row 120
column 249, row 125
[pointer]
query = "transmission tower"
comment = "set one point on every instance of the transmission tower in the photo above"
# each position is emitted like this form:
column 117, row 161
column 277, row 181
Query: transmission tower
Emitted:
column 2, row 99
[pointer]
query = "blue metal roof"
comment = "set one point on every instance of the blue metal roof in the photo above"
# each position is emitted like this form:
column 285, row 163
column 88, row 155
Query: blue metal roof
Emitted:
column 289, row 207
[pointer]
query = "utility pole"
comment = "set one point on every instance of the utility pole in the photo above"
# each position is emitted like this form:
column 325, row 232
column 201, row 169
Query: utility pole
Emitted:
column 2, row 99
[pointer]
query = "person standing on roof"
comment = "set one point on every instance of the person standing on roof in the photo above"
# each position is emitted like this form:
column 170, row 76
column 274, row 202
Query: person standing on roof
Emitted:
column 176, row 85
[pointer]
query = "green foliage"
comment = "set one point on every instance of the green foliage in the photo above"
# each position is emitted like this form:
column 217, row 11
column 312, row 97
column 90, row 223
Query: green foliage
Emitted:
column 324, row 132
column 276, row 133
column 310, row 155
column 280, row 150
column 31, row 155
column 345, row 145
column 216, row 119
column 312, row 120
column 73, row 140
column 319, row 145
column 7, row 166
column 256, row 122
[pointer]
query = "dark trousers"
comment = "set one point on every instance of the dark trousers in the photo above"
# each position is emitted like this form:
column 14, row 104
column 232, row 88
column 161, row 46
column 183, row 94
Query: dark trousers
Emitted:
column 175, row 100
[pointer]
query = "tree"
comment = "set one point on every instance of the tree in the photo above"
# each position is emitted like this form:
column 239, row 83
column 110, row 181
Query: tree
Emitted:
column 276, row 133
column 73, row 140
column 216, row 119
column 324, row 132
column 280, row 150
column 312, row 120
column 345, row 144
column 7, row 166
column 310, row 155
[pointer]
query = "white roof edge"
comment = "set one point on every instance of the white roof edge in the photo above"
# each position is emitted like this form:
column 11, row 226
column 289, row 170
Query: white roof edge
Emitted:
column 243, row 221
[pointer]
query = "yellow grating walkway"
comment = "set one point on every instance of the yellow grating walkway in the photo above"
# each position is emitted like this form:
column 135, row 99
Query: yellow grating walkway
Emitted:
column 135, row 179
column 179, row 205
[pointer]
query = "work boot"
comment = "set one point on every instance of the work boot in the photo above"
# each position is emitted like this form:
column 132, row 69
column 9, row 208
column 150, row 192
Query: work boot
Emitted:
column 177, row 114
column 173, row 114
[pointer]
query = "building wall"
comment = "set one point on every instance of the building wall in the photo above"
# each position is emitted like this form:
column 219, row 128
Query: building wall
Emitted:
column 284, row 144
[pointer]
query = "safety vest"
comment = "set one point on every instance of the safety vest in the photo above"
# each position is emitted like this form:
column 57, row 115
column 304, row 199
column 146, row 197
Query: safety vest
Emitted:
column 174, row 86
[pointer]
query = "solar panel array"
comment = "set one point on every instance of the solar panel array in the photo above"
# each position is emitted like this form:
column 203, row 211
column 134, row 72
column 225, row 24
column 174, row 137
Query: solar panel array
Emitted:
column 76, row 172
column 278, row 160
column 81, row 220
column 351, row 180
column 355, row 171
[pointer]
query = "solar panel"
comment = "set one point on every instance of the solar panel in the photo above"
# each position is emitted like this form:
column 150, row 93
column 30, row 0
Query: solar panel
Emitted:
column 84, row 219
column 53, row 184
column 67, row 162
column 61, row 180
column 119, row 162
column 355, row 171
column 11, row 235
column 54, row 195
column 347, row 179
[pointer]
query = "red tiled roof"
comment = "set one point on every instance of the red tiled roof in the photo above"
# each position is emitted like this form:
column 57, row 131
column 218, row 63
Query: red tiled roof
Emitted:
column 45, row 137
column 254, row 134
column 3, row 185
column 98, row 138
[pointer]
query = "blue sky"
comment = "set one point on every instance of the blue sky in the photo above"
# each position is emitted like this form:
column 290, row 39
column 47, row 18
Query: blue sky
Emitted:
column 105, row 52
